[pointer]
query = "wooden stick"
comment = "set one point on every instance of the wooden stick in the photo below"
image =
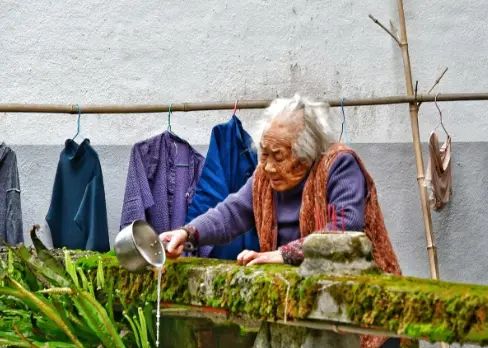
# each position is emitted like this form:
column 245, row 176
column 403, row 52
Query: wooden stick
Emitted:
column 317, row 227
column 342, row 220
column 222, row 315
column 403, row 43
column 249, row 104
column 435, row 84
column 414, row 120
column 385, row 28
column 437, row 81
column 431, row 248
column 394, row 29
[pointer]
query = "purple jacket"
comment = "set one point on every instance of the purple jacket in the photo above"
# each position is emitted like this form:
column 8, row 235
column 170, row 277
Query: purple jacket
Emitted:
column 346, row 188
column 163, row 173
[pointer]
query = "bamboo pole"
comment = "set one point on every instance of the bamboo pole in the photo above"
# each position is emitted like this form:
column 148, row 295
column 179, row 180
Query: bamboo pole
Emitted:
column 414, row 120
column 414, row 109
column 227, row 105
column 341, row 328
column 223, row 315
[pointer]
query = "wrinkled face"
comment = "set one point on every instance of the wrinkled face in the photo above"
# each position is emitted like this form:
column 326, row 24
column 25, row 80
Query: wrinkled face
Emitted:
column 284, row 170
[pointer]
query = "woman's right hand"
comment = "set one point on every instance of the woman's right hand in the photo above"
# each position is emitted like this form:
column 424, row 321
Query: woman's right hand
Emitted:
column 176, row 240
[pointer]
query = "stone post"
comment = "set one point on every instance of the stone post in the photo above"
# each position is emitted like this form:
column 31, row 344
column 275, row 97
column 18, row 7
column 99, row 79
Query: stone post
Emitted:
column 348, row 253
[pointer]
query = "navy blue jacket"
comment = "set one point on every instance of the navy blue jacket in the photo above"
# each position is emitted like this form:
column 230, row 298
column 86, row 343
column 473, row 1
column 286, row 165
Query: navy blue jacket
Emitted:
column 230, row 161
column 77, row 215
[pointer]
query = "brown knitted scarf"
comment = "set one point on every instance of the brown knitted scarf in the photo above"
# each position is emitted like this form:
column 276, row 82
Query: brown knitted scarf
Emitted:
column 315, row 195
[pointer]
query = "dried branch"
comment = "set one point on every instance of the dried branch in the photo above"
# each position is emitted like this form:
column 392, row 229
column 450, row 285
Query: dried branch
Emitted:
column 385, row 29
column 435, row 84
column 394, row 29
column 438, row 80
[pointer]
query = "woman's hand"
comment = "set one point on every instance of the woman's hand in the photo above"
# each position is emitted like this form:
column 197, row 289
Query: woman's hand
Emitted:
column 176, row 240
column 250, row 257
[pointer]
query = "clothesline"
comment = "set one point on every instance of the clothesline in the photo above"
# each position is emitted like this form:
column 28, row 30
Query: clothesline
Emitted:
column 244, row 104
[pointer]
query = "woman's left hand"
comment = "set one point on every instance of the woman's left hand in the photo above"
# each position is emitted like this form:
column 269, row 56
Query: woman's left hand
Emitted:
column 250, row 257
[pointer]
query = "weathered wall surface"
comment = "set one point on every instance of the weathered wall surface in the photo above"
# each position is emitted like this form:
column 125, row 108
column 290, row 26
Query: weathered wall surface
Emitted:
column 95, row 52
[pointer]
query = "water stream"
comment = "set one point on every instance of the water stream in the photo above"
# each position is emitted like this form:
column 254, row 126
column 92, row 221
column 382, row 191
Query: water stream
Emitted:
column 158, row 310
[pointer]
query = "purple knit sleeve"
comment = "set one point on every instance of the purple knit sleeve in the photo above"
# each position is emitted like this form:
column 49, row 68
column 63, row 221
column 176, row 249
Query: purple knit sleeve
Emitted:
column 229, row 219
column 138, row 196
column 346, row 188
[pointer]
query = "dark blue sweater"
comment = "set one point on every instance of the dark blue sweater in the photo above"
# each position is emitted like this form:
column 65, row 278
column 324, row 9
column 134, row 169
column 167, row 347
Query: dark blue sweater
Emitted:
column 77, row 216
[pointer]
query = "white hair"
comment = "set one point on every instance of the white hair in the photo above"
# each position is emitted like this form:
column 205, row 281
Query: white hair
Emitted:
column 315, row 137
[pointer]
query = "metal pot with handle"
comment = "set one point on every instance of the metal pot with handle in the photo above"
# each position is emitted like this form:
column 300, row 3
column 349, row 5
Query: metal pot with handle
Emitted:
column 138, row 247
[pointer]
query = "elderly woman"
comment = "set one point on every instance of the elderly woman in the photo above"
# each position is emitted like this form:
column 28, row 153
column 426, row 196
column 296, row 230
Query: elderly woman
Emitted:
column 300, row 173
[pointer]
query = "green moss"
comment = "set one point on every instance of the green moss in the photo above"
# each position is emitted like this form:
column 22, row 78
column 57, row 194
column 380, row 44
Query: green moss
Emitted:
column 419, row 308
column 265, row 285
column 432, row 310
column 357, row 250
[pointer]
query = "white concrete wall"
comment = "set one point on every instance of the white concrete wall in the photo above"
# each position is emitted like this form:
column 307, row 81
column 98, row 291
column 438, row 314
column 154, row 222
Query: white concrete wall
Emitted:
column 103, row 52
column 171, row 51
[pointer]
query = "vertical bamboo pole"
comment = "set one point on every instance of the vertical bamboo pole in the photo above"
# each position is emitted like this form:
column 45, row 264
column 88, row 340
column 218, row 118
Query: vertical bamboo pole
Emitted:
column 431, row 248
column 414, row 120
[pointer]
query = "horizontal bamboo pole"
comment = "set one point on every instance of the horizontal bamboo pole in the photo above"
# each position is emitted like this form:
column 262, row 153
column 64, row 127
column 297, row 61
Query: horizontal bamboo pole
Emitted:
column 244, row 104
column 222, row 316
column 341, row 328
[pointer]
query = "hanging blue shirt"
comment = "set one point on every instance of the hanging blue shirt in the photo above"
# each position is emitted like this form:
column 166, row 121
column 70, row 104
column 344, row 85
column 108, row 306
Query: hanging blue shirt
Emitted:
column 77, row 215
column 230, row 161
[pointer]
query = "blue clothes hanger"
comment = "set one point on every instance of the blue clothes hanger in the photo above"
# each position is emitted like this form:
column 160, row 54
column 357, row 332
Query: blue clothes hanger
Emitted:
column 177, row 137
column 344, row 124
column 78, row 123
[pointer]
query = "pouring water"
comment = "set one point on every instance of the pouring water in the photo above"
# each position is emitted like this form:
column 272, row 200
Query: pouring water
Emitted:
column 138, row 248
column 159, row 260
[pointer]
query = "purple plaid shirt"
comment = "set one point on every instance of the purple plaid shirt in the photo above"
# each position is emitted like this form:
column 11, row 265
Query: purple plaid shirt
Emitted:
column 163, row 173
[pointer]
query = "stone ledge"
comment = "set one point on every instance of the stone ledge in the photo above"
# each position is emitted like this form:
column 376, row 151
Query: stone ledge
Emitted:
column 417, row 308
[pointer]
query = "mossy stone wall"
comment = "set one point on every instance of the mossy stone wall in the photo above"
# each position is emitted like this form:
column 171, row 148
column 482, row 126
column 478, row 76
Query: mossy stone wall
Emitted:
column 418, row 308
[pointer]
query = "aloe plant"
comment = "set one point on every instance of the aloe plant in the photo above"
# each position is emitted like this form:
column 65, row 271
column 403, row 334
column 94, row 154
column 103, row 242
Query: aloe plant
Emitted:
column 45, row 303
